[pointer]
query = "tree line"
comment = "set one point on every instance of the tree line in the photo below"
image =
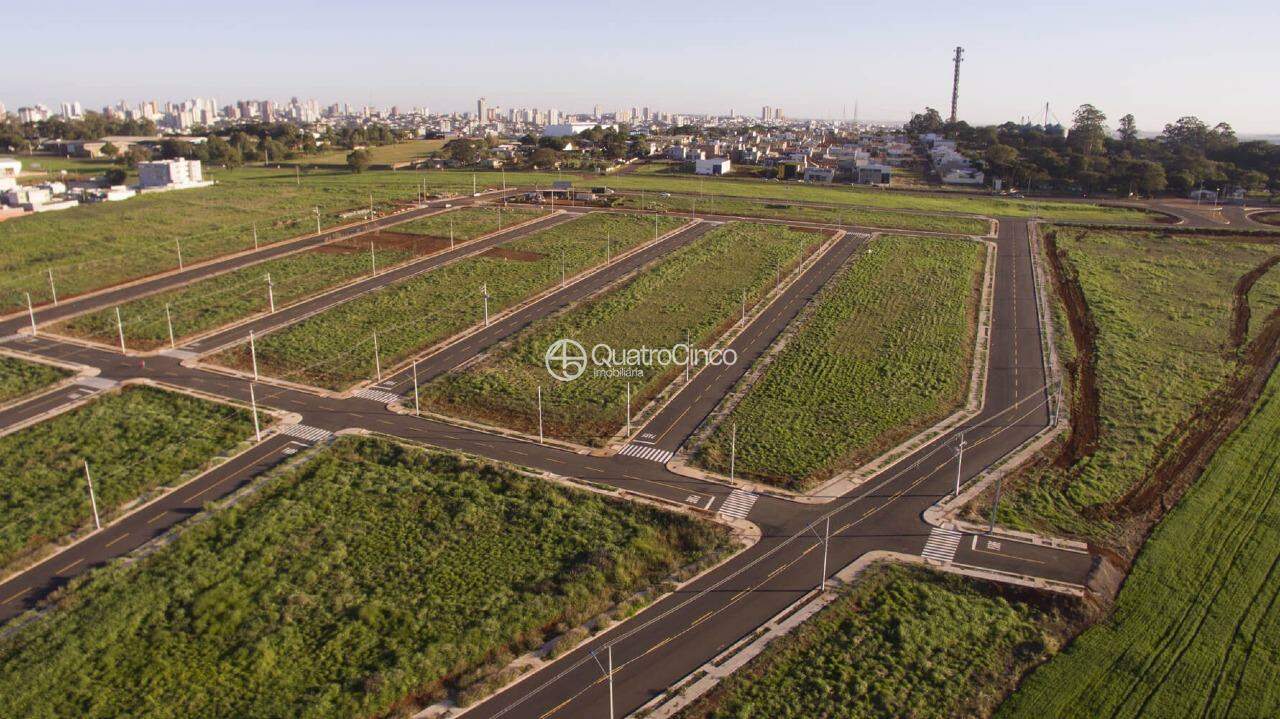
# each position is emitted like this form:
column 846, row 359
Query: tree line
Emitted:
column 1090, row 157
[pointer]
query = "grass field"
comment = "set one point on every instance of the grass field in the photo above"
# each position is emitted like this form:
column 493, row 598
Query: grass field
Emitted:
column 1196, row 628
column 134, row 440
column 19, row 378
column 370, row 579
column 886, row 352
column 469, row 223
column 697, row 289
column 1163, row 310
column 827, row 214
column 223, row 299
column 1264, row 299
column 902, row 642
column 99, row 245
column 378, row 154
column 335, row 348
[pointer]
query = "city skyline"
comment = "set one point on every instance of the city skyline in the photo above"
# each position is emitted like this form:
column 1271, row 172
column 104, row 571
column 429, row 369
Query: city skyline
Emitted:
column 887, row 64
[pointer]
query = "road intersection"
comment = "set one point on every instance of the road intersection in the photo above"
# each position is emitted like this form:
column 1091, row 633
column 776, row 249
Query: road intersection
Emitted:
column 672, row 638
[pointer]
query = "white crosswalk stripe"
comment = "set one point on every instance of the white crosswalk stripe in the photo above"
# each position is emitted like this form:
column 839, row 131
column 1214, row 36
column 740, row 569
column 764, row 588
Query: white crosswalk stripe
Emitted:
column 378, row 395
column 311, row 434
column 738, row 504
column 942, row 544
column 653, row 454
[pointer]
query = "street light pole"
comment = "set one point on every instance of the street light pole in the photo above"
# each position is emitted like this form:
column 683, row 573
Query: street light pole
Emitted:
column 540, row 438
column 271, row 295
column 416, row 409
column 377, row 360
column 484, row 289
column 168, row 320
column 995, row 507
column 53, row 290
column 628, row 409
column 119, row 329
column 959, row 462
column 253, row 402
column 610, row 655
column 826, row 542
column 253, row 355
column 733, row 449
column 93, row 501
column 31, row 313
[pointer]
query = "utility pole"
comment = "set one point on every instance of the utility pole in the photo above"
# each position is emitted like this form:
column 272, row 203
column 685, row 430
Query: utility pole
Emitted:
column 119, row 329
column 416, row 409
column 955, row 83
column 271, row 294
column 959, row 462
column 540, row 439
column 93, row 501
column 253, row 402
column 826, row 542
column 610, row 655
column 253, row 356
column 168, row 320
column 484, row 290
column 377, row 359
column 31, row 313
column 52, row 289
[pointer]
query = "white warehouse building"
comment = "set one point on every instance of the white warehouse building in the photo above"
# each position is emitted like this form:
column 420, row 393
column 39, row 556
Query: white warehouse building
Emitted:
column 170, row 173
column 712, row 166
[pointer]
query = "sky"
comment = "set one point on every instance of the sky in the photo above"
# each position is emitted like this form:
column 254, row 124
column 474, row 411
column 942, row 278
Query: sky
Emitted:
column 1158, row 61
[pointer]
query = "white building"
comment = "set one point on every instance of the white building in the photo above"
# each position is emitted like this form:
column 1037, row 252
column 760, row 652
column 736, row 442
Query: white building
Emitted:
column 9, row 171
column 170, row 174
column 571, row 128
column 712, row 166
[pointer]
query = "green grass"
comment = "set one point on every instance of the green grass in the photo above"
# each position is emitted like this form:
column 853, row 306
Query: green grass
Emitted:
column 372, row 574
column 1264, row 299
column 19, row 378
column 1196, row 629
column 827, row 214
column 887, row 351
column 469, row 223
column 1163, row 310
column 698, row 288
column 103, row 244
column 903, row 642
column 335, row 348
column 225, row 298
column 378, row 154
column 134, row 440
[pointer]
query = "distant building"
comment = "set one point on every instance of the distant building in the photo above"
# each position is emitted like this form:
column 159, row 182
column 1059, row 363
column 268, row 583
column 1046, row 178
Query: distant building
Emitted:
column 712, row 166
column 170, row 174
column 819, row 174
column 873, row 174
column 963, row 177
column 571, row 128
column 9, row 171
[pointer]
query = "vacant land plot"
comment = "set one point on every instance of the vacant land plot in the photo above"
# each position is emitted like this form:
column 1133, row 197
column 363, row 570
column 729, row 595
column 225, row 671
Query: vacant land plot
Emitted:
column 902, row 642
column 378, row 154
column 1162, row 307
column 469, row 222
column 222, row 299
column 134, row 440
column 335, row 348
column 886, row 352
column 697, row 290
column 1196, row 628
column 828, row 214
column 374, row 576
column 19, row 378
column 102, row 244
column 1264, row 300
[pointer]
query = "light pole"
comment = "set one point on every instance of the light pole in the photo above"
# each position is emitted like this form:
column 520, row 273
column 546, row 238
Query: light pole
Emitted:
column 484, row 290
column 93, row 501
column 995, row 507
column 416, row 409
column 271, row 295
column 959, row 462
column 377, row 360
column 610, row 658
column 253, row 402
column 253, row 355
column 826, row 542
column 317, row 211
column 168, row 320
column 733, row 449
column 119, row 329
column 52, row 289
column 540, row 438
column 31, row 314
column 373, row 260
column 255, row 235
column 628, row 409
column 178, row 242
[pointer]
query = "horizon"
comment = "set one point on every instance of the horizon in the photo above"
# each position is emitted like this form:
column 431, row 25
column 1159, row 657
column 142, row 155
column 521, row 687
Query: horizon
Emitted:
column 899, row 66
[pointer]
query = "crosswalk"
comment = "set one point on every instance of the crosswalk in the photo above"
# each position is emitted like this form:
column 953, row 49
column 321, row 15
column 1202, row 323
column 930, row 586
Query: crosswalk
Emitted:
column 640, row 451
column 378, row 395
column 307, row 432
column 738, row 504
column 942, row 544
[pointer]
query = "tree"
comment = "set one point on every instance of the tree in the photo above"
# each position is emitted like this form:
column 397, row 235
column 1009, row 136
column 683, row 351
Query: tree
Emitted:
column 1188, row 133
column 1001, row 158
column 543, row 157
column 928, row 121
column 1088, row 130
column 358, row 160
column 1128, row 130
column 134, row 155
column 116, row 176
column 109, row 150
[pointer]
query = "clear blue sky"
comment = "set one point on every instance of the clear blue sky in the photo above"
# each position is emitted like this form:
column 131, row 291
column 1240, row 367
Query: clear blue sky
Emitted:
column 1217, row 61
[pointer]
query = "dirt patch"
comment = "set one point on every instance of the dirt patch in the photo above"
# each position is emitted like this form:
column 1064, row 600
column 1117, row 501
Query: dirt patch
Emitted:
column 1083, row 370
column 1240, row 312
column 384, row 240
column 502, row 253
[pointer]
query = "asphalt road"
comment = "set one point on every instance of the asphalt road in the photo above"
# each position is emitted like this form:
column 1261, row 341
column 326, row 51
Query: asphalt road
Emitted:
column 676, row 635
